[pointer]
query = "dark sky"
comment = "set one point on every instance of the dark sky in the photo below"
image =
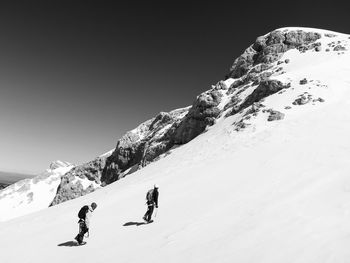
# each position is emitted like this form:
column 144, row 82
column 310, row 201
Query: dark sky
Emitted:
column 76, row 75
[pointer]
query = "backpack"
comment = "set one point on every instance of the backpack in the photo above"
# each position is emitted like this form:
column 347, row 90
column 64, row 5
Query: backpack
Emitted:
column 83, row 211
column 149, row 196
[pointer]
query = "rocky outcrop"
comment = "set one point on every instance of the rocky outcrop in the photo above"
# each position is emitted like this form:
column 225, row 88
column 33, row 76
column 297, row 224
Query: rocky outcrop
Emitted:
column 58, row 164
column 275, row 115
column 253, row 66
column 134, row 150
column 303, row 81
column 2, row 186
column 302, row 99
column 141, row 146
column 70, row 188
column 202, row 113
column 268, row 49
column 264, row 89
column 252, row 81
column 339, row 48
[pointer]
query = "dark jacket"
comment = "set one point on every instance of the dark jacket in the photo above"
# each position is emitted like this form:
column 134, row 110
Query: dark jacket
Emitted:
column 154, row 197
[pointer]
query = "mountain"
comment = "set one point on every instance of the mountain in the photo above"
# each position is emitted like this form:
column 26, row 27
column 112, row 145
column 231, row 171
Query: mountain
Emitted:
column 32, row 194
column 58, row 164
column 134, row 150
column 256, row 170
column 7, row 178
column 258, row 73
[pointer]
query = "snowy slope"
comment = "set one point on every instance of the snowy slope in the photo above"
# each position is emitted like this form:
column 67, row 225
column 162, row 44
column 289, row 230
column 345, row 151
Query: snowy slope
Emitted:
column 272, row 192
column 30, row 195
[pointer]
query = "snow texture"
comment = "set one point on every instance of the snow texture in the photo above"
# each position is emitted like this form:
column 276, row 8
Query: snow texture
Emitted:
column 30, row 195
column 272, row 192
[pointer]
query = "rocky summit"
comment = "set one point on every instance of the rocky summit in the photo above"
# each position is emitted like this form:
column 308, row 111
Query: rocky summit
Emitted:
column 255, row 170
column 259, row 72
column 268, row 49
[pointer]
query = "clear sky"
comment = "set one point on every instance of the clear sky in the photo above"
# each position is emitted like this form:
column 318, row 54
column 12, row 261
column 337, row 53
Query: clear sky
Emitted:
column 76, row 75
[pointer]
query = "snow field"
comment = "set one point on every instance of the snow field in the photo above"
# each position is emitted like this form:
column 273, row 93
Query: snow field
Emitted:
column 273, row 192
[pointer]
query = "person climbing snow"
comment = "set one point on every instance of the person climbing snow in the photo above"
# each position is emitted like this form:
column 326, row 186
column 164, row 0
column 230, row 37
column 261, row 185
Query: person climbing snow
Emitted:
column 152, row 200
column 84, row 215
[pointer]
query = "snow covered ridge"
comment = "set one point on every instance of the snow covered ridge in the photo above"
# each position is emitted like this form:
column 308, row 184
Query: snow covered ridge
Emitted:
column 80, row 180
column 268, row 80
column 134, row 150
column 58, row 164
column 268, row 180
column 30, row 195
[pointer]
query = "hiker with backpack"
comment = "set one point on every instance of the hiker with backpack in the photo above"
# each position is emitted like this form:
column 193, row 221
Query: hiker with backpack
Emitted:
column 84, row 215
column 152, row 200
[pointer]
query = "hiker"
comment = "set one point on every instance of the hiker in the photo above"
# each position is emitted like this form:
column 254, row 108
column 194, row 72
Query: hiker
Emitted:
column 84, row 215
column 152, row 200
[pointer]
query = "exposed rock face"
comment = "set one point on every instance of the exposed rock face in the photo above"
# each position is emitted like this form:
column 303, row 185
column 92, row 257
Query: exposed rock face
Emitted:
column 256, row 66
column 251, row 82
column 251, row 67
column 303, row 99
column 58, row 164
column 134, row 150
column 203, row 113
column 141, row 146
column 265, row 88
column 303, row 81
column 2, row 186
column 330, row 35
column 318, row 100
column 339, row 48
column 275, row 115
column 71, row 188
column 268, row 49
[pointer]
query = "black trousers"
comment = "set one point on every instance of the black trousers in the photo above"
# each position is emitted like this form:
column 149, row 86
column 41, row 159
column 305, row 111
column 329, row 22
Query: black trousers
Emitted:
column 82, row 230
column 149, row 212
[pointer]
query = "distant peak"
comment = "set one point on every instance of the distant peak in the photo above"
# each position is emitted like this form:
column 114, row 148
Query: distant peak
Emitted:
column 58, row 164
column 107, row 154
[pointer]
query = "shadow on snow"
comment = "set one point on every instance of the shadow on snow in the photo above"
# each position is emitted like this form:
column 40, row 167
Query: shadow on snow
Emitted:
column 68, row 244
column 137, row 223
column 134, row 223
